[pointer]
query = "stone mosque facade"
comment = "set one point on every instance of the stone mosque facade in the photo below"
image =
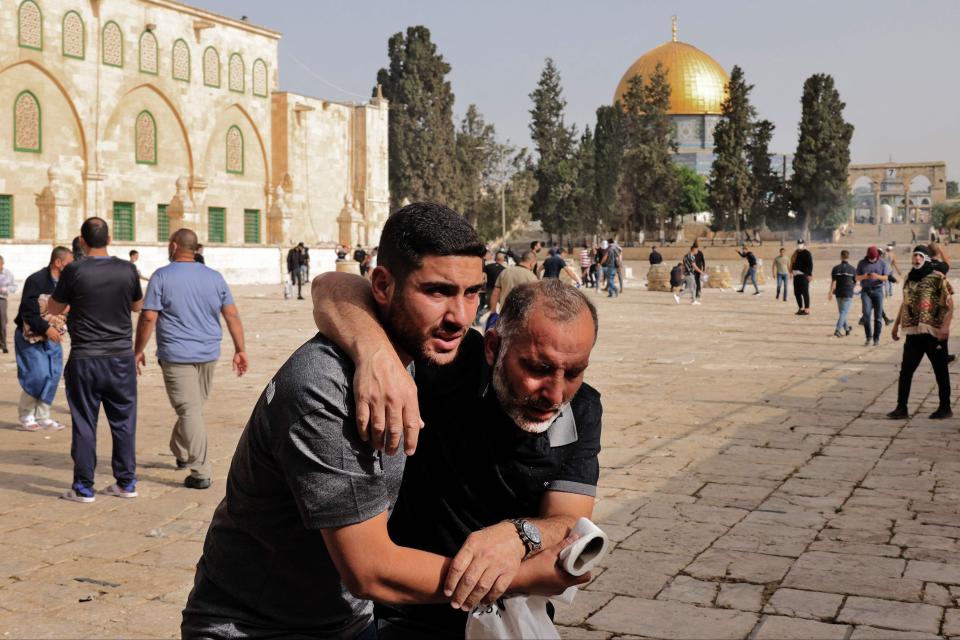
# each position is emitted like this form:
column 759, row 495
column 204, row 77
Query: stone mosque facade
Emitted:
column 157, row 115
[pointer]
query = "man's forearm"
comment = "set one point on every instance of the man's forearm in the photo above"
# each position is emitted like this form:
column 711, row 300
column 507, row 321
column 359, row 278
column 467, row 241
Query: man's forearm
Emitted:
column 344, row 311
column 232, row 317
column 410, row 577
column 144, row 331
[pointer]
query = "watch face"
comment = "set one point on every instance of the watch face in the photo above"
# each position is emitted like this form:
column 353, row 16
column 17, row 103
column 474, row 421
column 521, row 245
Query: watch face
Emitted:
column 531, row 531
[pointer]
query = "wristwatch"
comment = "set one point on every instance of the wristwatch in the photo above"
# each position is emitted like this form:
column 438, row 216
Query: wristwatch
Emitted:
column 529, row 535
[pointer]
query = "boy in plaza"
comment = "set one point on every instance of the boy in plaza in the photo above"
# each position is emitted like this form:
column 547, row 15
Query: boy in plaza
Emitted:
column 101, row 291
column 925, row 316
column 842, row 282
column 299, row 546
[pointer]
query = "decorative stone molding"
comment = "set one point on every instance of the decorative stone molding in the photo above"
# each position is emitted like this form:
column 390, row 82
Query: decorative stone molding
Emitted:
column 278, row 218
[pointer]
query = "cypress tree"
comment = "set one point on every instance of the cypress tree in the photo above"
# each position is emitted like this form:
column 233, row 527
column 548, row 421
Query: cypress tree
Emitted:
column 608, row 160
column 819, row 184
column 731, row 183
column 421, row 129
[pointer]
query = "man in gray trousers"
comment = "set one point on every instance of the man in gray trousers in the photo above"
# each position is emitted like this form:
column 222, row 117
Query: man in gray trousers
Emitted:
column 185, row 300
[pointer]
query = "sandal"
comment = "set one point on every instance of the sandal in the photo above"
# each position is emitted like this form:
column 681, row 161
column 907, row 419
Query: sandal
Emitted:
column 51, row 425
column 29, row 423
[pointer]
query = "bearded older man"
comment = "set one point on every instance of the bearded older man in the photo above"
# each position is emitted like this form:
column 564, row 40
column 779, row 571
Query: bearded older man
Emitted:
column 508, row 459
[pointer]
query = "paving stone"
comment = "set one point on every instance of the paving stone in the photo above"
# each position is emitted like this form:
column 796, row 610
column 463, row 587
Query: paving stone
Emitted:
column 672, row 536
column 937, row 595
column 686, row 589
column 854, row 575
column 951, row 622
column 769, row 539
column 584, row 603
column 744, row 597
column 739, row 565
column 865, row 632
column 804, row 604
column 933, row 572
column 904, row 616
column 579, row 633
column 783, row 628
column 665, row 619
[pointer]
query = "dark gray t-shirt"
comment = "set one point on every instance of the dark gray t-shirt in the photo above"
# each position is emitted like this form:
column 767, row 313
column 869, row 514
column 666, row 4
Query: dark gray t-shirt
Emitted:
column 299, row 468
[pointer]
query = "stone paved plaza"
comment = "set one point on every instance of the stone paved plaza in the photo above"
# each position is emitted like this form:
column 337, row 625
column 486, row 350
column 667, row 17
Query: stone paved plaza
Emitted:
column 750, row 481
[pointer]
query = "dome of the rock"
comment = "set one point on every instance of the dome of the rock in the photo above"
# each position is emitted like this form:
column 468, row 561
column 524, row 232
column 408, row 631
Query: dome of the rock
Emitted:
column 697, row 81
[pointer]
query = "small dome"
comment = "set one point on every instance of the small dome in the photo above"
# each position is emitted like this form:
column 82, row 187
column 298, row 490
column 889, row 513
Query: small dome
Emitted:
column 697, row 82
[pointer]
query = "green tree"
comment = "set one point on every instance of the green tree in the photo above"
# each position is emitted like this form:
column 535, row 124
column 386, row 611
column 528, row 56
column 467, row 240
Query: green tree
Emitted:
column 554, row 143
column 952, row 189
column 608, row 145
column 945, row 214
column 476, row 159
column 649, row 187
column 421, row 130
column 587, row 216
column 765, row 205
column 693, row 192
column 514, row 174
column 818, row 187
column 731, row 183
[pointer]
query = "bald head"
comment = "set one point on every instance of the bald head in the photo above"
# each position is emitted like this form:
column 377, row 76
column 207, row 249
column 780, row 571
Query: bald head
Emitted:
column 183, row 245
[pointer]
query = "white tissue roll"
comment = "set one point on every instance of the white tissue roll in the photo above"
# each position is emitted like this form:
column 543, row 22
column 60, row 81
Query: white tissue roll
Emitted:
column 591, row 545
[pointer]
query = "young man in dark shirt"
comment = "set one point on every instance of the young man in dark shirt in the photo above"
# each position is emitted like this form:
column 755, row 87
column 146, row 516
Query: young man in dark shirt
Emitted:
column 655, row 257
column 842, row 282
column 101, row 291
column 299, row 546
column 510, row 427
column 801, row 266
column 751, row 273
column 557, row 264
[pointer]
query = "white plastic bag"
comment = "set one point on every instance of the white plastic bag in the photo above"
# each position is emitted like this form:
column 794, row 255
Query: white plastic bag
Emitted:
column 513, row 617
column 287, row 290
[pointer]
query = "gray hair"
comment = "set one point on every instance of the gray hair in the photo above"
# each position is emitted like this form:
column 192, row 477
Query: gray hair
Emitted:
column 559, row 302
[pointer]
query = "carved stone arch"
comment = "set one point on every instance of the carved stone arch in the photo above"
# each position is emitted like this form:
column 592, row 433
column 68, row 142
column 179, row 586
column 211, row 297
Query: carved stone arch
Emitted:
column 260, row 144
column 174, row 108
column 66, row 93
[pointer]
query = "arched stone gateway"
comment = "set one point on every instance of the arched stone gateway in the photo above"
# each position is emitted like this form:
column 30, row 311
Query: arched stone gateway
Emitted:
column 911, row 188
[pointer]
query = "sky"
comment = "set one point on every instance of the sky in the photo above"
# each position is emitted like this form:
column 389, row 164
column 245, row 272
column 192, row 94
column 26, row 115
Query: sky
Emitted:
column 894, row 63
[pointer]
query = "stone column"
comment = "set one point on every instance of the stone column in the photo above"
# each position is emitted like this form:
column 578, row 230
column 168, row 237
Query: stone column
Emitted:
column 58, row 214
column 350, row 224
column 278, row 219
column 180, row 211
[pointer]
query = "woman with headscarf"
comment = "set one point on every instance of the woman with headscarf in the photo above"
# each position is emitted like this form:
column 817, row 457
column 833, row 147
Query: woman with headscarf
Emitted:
column 925, row 315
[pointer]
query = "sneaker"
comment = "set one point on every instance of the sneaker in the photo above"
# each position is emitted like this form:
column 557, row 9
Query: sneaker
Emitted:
column 867, row 342
column 739, row 290
column 941, row 414
column 28, row 423
column 876, row 343
column 51, row 425
column 696, row 302
column 799, row 312
column 837, row 334
column 951, row 357
column 887, row 321
column 193, row 482
column 847, row 330
column 79, row 494
column 677, row 298
column 757, row 293
column 898, row 414
column 122, row 492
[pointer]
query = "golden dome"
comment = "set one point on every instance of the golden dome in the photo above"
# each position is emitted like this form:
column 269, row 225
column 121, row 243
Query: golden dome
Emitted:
column 697, row 82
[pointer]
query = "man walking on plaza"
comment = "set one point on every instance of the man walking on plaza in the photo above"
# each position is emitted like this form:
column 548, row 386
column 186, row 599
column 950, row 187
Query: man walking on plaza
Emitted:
column 184, row 302
column 101, row 291
column 925, row 315
column 294, row 268
column 781, row 272
column 611, row 267
column 890, row 257
column 702, row 265
column 8, row 286
column 842, row 283
column 557, row 264
column 751, row 272
column 36, row 341
column 491, row 272
column 586, row 261
column 689, row 269
column 511, row 277
column 801, row 266
column 872, row 273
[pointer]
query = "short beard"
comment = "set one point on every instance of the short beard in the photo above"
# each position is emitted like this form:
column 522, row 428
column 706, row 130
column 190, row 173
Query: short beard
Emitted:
column 512, row 405
column 408, row 337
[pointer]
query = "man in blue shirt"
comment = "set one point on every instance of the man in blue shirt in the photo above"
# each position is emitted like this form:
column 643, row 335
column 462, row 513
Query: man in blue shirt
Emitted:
column 872, row 272
column 184, row 301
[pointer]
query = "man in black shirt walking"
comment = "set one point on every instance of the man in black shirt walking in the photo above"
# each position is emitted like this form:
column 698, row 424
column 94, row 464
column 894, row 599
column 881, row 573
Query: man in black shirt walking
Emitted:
column 101, row 291
column 842, row 281
column 801, row 266
column 751, row 273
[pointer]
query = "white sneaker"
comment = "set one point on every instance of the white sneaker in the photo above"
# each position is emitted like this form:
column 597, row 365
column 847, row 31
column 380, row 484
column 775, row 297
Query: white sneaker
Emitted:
column 28, row 423
column 51, row 425
column 73, row 496
column 119, row 492
column 696, row 302
column 677, row 298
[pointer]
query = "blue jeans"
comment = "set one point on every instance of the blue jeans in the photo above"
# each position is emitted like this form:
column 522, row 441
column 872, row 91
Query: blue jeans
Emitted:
column 843, row 306
column 750, row 275
column 872, row 301
column 782, row 279
column 611, row 281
